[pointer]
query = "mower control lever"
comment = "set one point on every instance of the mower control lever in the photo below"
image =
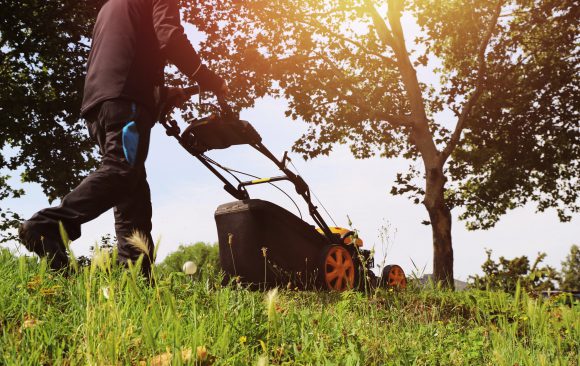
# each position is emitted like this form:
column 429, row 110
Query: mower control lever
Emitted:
column 301, row 186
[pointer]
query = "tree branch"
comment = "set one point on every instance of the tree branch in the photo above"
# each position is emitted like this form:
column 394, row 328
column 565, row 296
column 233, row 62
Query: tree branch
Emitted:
column 394, row 120
column 393, row 37
column 373, row 114
column 330, row 12
column 328, row 32
column 408, row 72
column 343, row 38
column 361, row 104
column 382, row 29
column 386, row 36
column 482, row 68
column 388, row 39
column 394, row 15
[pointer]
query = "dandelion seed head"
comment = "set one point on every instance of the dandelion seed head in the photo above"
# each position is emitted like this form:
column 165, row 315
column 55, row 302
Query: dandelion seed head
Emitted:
column 189, row 268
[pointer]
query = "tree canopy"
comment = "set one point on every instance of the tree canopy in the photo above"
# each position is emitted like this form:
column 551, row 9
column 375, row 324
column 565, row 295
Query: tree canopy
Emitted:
column 522, row 142
column 43, row 51
column 520, row 139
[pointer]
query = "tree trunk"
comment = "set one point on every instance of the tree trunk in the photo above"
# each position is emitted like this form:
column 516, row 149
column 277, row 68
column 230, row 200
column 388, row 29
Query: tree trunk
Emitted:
column 440, row 216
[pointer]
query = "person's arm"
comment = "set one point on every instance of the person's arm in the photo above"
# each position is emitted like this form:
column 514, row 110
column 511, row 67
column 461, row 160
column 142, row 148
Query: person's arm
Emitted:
column 179, row 51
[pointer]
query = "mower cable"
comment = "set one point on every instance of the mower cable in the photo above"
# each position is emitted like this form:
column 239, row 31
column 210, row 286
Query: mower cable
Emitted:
column 290, row 198
column 230, row 170
column 314, row 194
column 227, row 170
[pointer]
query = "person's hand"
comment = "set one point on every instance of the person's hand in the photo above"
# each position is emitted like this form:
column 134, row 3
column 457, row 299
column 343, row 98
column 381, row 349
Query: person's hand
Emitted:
column 210, row 81
column 176, row 97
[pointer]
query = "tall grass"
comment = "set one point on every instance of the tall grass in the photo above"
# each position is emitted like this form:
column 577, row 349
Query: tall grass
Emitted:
column 105, row 315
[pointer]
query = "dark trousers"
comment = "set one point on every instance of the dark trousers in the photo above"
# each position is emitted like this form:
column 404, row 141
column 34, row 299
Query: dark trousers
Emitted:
column 122, row 130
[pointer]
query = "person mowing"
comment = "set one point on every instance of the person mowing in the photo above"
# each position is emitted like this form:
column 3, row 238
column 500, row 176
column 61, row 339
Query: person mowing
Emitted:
column 132, row 42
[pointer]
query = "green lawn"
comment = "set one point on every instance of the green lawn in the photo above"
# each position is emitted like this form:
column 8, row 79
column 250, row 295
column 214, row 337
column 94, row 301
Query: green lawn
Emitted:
column 104, row 316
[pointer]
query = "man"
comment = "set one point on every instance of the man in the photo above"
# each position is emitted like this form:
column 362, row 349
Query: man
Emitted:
column 132, row 40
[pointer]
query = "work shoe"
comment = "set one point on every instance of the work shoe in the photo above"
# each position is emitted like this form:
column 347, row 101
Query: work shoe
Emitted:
column 43, row 246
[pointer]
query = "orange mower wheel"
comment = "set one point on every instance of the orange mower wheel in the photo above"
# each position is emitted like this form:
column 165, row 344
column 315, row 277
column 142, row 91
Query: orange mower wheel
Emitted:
column 337, row 268
column 394, row 276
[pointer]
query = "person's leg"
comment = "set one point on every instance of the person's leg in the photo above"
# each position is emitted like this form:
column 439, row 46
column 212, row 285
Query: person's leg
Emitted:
column 133, row 214
column 118, row 175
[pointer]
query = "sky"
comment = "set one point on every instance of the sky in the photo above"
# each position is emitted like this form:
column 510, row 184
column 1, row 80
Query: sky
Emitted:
column 185, row 196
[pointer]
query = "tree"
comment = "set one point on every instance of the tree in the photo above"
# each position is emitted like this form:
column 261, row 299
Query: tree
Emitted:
column 570, row 280
column 500, row 126
column 43, row 49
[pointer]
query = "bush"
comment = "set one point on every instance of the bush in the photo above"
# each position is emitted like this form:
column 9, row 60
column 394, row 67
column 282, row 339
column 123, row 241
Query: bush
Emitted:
column 571, row 271
column 107, row 243
column 204, row 255
column 505, row 274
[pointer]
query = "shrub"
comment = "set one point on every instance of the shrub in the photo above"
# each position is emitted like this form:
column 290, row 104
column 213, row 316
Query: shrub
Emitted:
column 570, row 280
column 505, row 274
column 204, row 255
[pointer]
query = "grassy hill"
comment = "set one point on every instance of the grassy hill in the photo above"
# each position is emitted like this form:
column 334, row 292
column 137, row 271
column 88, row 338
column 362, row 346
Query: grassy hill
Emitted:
column 106, row 316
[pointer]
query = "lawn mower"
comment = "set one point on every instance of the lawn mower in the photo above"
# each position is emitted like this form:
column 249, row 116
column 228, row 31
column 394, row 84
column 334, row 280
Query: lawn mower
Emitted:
column 260, row 243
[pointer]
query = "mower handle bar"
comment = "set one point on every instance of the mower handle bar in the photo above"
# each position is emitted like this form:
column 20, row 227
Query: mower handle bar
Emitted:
column 168, row 105
column 240, row 192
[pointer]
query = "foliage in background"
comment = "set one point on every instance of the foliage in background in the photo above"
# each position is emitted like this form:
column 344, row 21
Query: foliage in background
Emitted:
column 507, row 274
column 107, row 316
column 107, row 243
column 43, row 49
column 204, row 255
column 570, row 277
column 522, row 142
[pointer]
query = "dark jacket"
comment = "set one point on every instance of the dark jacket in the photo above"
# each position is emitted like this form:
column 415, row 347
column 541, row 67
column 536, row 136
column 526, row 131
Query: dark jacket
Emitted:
column 132, row 40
